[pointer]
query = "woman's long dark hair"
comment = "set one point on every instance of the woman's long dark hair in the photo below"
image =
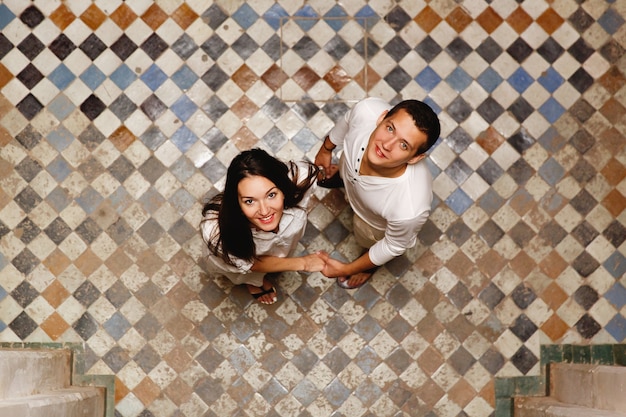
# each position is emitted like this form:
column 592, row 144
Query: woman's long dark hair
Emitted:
column 234, row 235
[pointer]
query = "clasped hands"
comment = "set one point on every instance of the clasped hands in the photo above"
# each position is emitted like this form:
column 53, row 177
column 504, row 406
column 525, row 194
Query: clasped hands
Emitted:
column 322, row 262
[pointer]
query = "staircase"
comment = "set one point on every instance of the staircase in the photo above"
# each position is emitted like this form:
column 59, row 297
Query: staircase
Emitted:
column 578, row 390
column 37, row 383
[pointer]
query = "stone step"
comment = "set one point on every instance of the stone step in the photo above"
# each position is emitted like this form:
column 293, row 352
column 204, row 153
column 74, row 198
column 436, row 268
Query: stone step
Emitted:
column 27, row 372
column 593, row 386
column 67, row 402
column 549, row 407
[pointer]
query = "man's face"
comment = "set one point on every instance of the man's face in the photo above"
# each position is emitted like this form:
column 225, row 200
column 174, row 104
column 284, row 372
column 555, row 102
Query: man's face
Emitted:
column 394, row 144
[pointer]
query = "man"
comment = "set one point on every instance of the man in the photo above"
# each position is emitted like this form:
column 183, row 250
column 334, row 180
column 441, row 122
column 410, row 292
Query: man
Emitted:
column 386, row 181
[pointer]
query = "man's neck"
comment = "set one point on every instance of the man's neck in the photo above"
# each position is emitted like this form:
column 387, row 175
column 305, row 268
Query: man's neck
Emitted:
column 367, row 169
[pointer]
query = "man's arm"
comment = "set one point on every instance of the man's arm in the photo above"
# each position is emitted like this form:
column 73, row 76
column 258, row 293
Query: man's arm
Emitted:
column 335, row 268
column 325, row 154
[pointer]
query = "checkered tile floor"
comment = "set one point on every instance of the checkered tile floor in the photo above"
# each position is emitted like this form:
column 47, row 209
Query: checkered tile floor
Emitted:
column 118, row 119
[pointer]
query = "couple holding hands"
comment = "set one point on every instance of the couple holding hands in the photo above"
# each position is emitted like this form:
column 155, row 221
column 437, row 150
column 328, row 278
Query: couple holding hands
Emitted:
column 254, row 226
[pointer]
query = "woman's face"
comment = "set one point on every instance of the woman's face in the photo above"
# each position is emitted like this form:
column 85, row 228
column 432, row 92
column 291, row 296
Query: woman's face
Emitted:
column 261, row 202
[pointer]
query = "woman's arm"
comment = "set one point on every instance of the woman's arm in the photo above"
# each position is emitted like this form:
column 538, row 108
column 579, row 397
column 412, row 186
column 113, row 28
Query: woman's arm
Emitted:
column 309, row 263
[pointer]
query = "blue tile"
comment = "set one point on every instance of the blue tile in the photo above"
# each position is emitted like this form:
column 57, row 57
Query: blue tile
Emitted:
column 61, row 107
column 153, row 77
column 183, row 108
column 245, row 16
column 117, row 326
column 428, row 79
column 275, row 15
column 617, row 327
column 59, row 168
column 61, row 77
column 551, row 80
column 184, row 139
column 336, row 18
column 459, row 202
column 6, row 16
column 551, row 110
column 305, row 139
column 120, row 199
column 616, row 295
column 184, row 78
column 59, row 199
column 60, row 138
column 551, row 171
column 489, row 80
column 2, row 326
column 310, row 18
column 520, row 80
column 123, row 77
column 336, row 393
column 3, row 263
column 432, row 104
column 182, row 200
column 611, row 21
column 459, row 79
column 616, row 265
column 92, row 77
column 367, row 17
column 241, row 359
column 89, row 200
column 305, row 392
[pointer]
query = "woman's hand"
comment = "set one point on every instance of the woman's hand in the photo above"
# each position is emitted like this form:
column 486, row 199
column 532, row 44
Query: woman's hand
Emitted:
column 313, row 263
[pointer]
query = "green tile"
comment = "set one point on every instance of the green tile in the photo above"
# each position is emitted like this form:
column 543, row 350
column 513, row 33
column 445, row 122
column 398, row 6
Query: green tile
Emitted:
column 619, row 354
column 504, row 407
column 550, row 354
column 568, row 354
column 504, row 387
column 581, row 354
column 530, row 386
column 602, row 354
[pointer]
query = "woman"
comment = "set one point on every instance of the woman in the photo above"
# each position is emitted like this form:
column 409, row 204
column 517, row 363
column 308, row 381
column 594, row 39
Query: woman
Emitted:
column 254, row 226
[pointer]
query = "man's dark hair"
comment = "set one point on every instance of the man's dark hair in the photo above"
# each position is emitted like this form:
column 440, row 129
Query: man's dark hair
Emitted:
column 425, row 119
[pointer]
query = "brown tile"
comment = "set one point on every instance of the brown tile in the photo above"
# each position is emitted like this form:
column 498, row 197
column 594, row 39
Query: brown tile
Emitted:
column 488, row 393
column 147, row 391
column 179, row 326
column 614, row 172
column 305, row 77
column 550, row 21
column 274, row 77
column 489, row 20
column 88, row 262
column 553, row 295
column 429, row 262
column 429, row 328
column 522, row 202
column 367, row 78
column 154, row 16
column 5, row 106
column 55, row 293
column 430, row 393
column 613, row 110
column 182, row 264
column 244, row 108
column 178, row 391
column 458, row 19
column 459, row 264
column 337, row 78
column 122, row 138
column 461, row 393
column 149, row 262
column 429, row 296
column 615, row 203
column 54, row 326
column 613, row 80
column 4, row 197
column 184, row 16
column 554, row 327
column 430, row 360
column 121, row 390
column 244, row 139
column 244, row 77
column 57, row 262
column 180, row 295
column 427, row 19
column 123, row 16
column 613, row 140
column 93, row 17
column 119, row 262
column 335, row 201
column 5, row 76
column 490, row 140
column 519, row 20
column 491, row 263
column 553, row 264
column 461, row 327
column 62, row 17
column 178, row 359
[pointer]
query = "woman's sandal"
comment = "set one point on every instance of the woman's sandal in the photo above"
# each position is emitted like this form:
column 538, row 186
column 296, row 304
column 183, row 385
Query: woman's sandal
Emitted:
column 258, row 295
